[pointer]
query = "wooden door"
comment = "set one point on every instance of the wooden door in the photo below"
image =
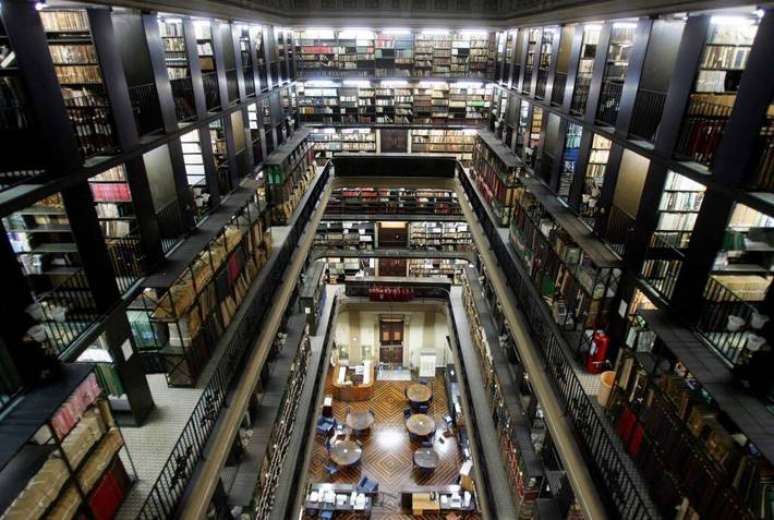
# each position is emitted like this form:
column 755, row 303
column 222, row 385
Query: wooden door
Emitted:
column 393, row 140
column 392, row 267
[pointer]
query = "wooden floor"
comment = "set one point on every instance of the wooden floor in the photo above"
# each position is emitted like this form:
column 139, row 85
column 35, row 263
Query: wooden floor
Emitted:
column 388, row 452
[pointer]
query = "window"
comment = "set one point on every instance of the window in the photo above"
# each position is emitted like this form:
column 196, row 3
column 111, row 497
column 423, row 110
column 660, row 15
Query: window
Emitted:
column 391, row 331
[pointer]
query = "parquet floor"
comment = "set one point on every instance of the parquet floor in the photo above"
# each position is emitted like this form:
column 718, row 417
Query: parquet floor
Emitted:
column 388, row 452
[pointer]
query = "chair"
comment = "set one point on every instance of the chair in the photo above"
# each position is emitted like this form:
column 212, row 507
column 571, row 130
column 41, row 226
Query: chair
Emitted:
column 325, row 425
column 366, row 485
column 407, row 412
column 427, row 443
column 331, row 469
column 423, row 408
column 326, row 515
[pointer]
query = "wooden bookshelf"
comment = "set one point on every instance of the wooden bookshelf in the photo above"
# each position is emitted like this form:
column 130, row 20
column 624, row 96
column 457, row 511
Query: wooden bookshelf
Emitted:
column 412, row 201
column 594, row 178
column 288, row 171
column 580, row 94
column 496, row 170
column 459, row 143
column 569, row 159
column 679, row 206
column 175, row 55
column 440, row 236
column 113, row 202
column 346, row 234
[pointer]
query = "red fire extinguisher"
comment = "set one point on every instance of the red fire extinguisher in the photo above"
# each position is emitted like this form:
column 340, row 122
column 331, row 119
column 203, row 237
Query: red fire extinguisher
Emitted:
column 597, row 355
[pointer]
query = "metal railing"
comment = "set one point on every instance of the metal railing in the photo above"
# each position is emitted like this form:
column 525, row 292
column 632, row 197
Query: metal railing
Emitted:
column 126, row 257
column 68, row 310
column 764, row 168
column 165, row 495
column 560, row 82
column 646, row 116
column 703, row 127
column 249, row 76
column 725, row 321
column 183, row 93
column 606, row 462
column 232, row 86
column 609, row 102
column 92, row 121
column 619, row 227
column 146, row 108
column 171, row 226
column 211, row 92
column 662, row 266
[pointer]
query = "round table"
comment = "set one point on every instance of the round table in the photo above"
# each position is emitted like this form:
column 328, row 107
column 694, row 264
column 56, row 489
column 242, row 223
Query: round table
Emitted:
column 346, row 453
column 419, row 393
column 359, row 421
column 420, row 425
column 426, row 458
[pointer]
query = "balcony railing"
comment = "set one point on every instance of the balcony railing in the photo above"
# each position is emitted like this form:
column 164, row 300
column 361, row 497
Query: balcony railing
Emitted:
column 126, row 257
column 764, row 169
column 185, row 105
column 662, row 266
column 171, row 225
column 619, row 227
column 703, row 127
column 211, row 92
column 145, row 104
column 725, row 321
column 232, row 86
column 648, row 108
column 609, row 102
column 557, row 94
column 93, row 124
column 249, row 80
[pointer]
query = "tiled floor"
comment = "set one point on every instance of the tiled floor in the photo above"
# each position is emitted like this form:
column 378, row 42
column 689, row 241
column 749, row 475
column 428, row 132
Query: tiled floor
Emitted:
column 151, row 444
column 388, row 452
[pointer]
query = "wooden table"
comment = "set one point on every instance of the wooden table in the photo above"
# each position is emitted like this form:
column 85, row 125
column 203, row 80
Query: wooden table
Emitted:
column 419, row 393
column 422, row 502
column 359, row 421
column 420, row 424
column 346, row 453
column 426, row 458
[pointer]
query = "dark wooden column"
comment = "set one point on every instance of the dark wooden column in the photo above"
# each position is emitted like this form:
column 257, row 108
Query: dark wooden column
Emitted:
column 572, row 70
column 241, row 79
column 150, row 24
column 557, row 42
column 217, row 29
column 535, row 62
column 189, row 32
column 633, row 74
column 254, row 60
column 523, row 36
column 597, row 74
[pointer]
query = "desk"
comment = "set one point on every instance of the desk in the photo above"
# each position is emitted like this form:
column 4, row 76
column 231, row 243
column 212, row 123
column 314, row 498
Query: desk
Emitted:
column 346, row 453
column 426, row 458
column 446, row 498
column 355, row 383
column 419, row 393
column 336, row 497
column 421, row 502
column 359, row 421
column 420, row 424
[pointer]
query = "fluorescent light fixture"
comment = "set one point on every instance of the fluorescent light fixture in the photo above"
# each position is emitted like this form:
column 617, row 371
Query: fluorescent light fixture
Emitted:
column 356, row 33
column 201, row 23
column 596, row 26
column 469, row 131
column 321, row 83
column 731, row 20
column 468, row 84
column 474, row 33
column 394, row 83
column 357, row 83
column 431, row 84
column 625, row 25
column 171, row 20
column 321, row 33
column 435, row 32
column 396, row 30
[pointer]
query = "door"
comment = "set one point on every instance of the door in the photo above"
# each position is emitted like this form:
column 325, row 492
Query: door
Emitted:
column 393, row 140
column 391, row 340
column 392, row 266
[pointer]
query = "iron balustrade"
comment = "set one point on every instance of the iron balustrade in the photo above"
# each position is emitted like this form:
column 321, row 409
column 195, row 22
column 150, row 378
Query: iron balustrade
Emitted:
column 126, row 257
column 211, row 92
column 68, row 310
column 232, row 86
column 619, row 227
column 171, row 226
column 92, row 121
column 764, row 168
column 662, row 266
column 719, row 304
column 164, row 497
column 607, row 462
column 609, row 102
column 146, row 108
column 249, row 76
column 646, row 116
column 183, row 93
column 557, row 94
column 703, row 127
column 542, row 79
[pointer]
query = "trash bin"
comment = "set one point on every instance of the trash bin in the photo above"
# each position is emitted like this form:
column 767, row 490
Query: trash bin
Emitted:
column 606, row 379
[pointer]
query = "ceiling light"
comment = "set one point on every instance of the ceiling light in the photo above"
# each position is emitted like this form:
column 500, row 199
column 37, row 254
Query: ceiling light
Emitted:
column 474, row 33
column 356, row 34
column 394, row 83
column 625, row 25
column 731, row 20
column 398, row 30
column 593, row 26
column 435, row 32
column 468, row 84
column 431, row 84
column 357, row 83
column 321, row 83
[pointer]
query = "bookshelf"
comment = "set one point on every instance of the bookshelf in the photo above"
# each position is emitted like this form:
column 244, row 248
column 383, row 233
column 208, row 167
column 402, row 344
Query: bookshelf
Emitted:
column 679, row 206
column 459, row 143
column 113, row 202
column 12, row 90
column 496, row 171
column 77, row 69
column 220, row 154
column 67, row 457
column 569, row 159
column 723, row 61
column 195, row 172
column 436, row 267
column 522, row 136
column 187, row 313
column 206, row 56
column 509, row 51
column 175, row 55
column 440, row 236
column 347, row 234
column 412, row 201
column 548, row 39
column 328, row 141
column 108, row 377
column 535, row 137
column 594, row 178
column 616, row 64
column 340, row 268
column 588, row 53
column 257, row 35
column 533, row 52
column 394, row 54
column 288, row 171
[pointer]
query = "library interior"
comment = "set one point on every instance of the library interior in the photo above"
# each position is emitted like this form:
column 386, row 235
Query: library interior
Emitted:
column 389, row 259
